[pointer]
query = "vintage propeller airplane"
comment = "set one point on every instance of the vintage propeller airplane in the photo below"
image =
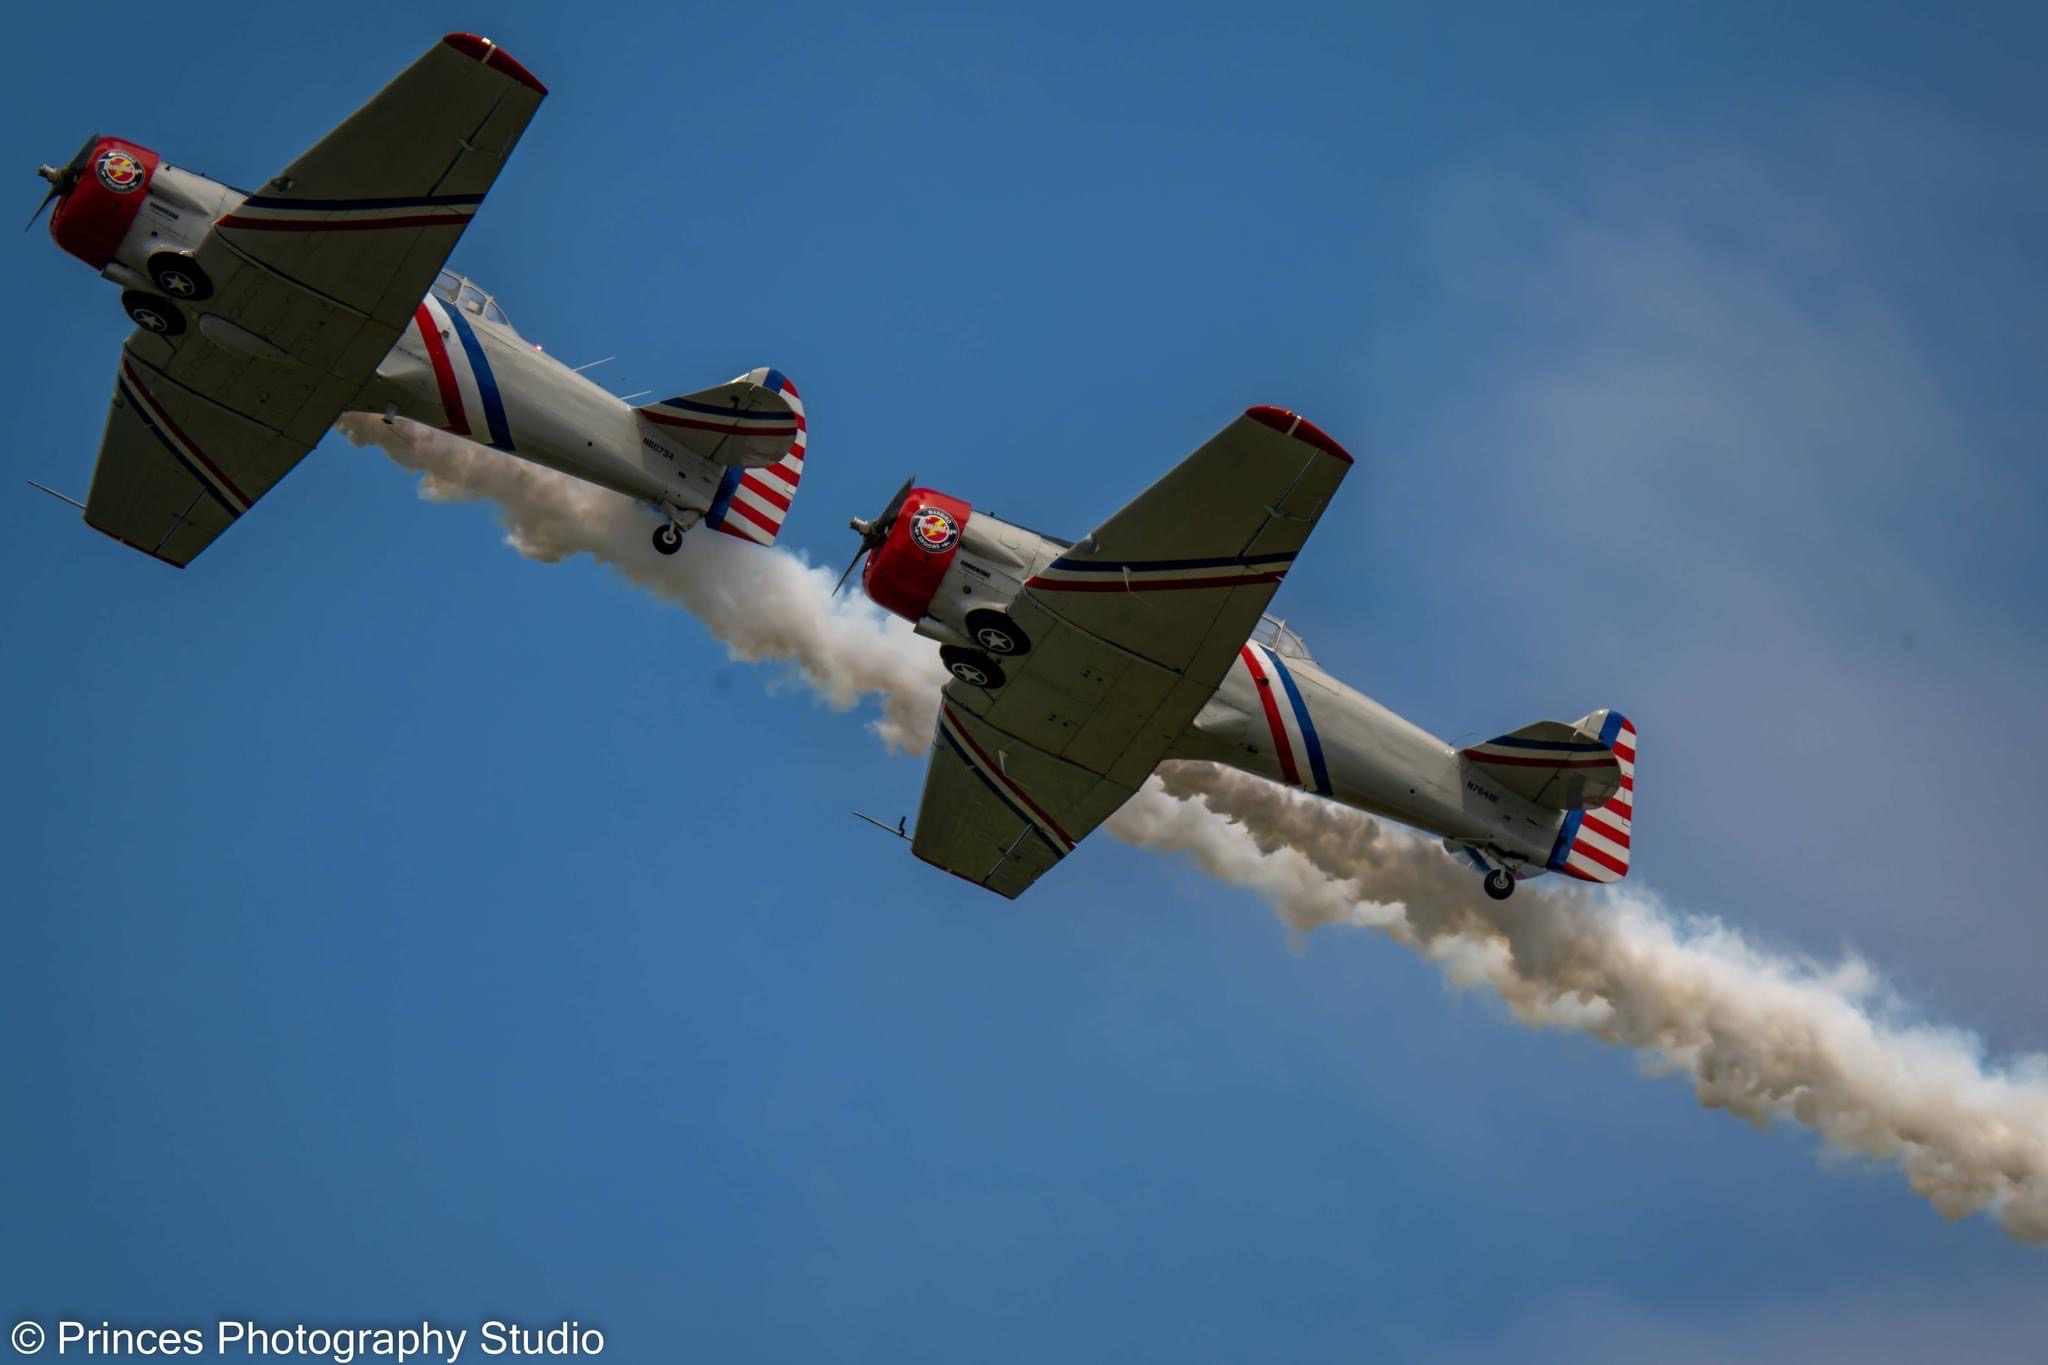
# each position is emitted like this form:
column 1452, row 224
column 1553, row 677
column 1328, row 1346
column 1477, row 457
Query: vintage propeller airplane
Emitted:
column 1078, row 667
column 261, row 318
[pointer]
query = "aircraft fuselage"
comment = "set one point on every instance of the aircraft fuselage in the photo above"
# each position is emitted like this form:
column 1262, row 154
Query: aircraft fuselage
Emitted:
column 1275, row 714
column 478, row 379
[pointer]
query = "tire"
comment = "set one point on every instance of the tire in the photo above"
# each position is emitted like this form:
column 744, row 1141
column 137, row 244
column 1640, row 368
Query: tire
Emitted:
column 179, row 277
column 972, row 667
column 1500, row 884
column 996, row 633
column 151, row 313
column 667, row 538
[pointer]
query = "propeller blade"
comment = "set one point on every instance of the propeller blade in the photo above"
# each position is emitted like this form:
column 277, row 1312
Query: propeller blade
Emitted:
column 54, row 191
column 63, row 181
column 888, row 517
column 873, row 533
column 858, row 556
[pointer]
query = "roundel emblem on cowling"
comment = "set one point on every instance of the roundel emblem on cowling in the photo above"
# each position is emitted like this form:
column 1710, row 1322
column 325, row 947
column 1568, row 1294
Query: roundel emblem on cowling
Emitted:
column 934, row 530
column 119, row 171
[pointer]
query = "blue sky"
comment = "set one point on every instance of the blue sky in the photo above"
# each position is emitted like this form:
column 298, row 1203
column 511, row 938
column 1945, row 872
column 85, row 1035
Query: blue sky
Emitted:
column 399, row 927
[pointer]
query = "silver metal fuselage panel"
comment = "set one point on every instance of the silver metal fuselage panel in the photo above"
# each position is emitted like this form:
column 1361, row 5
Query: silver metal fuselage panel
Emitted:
column 1375, row 761
column 546, row 412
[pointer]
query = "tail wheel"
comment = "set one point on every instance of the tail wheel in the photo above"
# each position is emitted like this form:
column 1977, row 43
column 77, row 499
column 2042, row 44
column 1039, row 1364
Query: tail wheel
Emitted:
column 1500, row 884
column 151, row 313
column 972, row 667
column 179, row 276
column 995, row 632
column 667, row 538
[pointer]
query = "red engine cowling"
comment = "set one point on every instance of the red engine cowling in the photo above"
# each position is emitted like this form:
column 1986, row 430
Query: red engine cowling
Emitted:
column 903, row 573
column 112, row 181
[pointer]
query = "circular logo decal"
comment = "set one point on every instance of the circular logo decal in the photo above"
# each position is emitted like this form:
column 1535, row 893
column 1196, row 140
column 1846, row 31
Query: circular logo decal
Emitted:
column 118, row 170
column 934, row 530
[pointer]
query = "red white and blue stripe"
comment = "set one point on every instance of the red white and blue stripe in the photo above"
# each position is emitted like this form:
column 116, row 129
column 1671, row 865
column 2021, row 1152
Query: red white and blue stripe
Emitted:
column 470, row 398
column 283, row 213
column 157, row 420
column 953, row 735
column 1070, row 573
column 724, row 420
column 1296, row 745
column 1511, row 751
column 1593, row 845
column 751, row 503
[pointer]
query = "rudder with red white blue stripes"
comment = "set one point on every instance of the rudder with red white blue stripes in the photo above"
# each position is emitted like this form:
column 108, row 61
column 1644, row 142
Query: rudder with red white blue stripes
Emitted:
column 751, row 503
column 1593, row 845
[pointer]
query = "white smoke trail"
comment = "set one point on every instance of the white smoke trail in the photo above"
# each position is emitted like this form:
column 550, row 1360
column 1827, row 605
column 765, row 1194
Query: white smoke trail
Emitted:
column 1761, row 1034
column 762, row 606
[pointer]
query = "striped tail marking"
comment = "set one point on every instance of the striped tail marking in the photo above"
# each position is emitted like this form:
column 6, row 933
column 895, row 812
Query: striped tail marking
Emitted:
column 751, row 503
column 1593, row 844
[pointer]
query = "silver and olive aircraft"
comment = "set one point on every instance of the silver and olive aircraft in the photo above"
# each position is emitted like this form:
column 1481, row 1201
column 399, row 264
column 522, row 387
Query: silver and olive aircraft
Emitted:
column 1077, row 667
column 262, row 317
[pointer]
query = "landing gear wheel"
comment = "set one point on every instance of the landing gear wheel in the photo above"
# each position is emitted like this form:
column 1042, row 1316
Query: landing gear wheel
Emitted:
column 995, row 632
column 667, row 538
column 151, row 313
column 1500, row 884
column 972, row 667
column 179, row 276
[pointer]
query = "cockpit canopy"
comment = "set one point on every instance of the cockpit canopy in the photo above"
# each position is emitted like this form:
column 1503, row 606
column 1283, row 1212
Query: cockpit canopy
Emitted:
column 1272, row 632
column 457, row 292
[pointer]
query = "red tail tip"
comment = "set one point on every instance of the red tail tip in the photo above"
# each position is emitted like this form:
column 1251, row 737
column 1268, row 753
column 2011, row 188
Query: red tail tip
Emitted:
column 495, row 57
column 1300, row 428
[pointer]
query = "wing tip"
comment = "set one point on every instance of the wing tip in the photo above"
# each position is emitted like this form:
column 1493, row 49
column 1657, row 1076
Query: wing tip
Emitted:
column 139, row 549
column 479, row 49
column 956, row 872
column 1299, row 427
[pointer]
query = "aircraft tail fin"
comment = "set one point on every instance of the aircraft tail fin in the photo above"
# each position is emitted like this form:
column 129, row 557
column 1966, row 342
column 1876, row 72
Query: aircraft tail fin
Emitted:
column 1593, row 844
column 754, row 495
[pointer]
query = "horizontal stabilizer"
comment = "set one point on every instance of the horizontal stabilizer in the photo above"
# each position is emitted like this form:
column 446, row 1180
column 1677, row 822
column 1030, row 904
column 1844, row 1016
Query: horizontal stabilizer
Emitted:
column 1553, row 764
column 746, row 424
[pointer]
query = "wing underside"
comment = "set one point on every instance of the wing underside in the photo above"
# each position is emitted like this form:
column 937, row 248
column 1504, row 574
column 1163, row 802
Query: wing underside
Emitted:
column 1132, row 630
column 1000, row 813
column 176, row 470
column 312, row 280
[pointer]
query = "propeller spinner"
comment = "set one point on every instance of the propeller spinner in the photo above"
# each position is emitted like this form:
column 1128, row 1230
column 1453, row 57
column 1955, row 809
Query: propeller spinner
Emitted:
column 63, row 179
column 873, row 533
